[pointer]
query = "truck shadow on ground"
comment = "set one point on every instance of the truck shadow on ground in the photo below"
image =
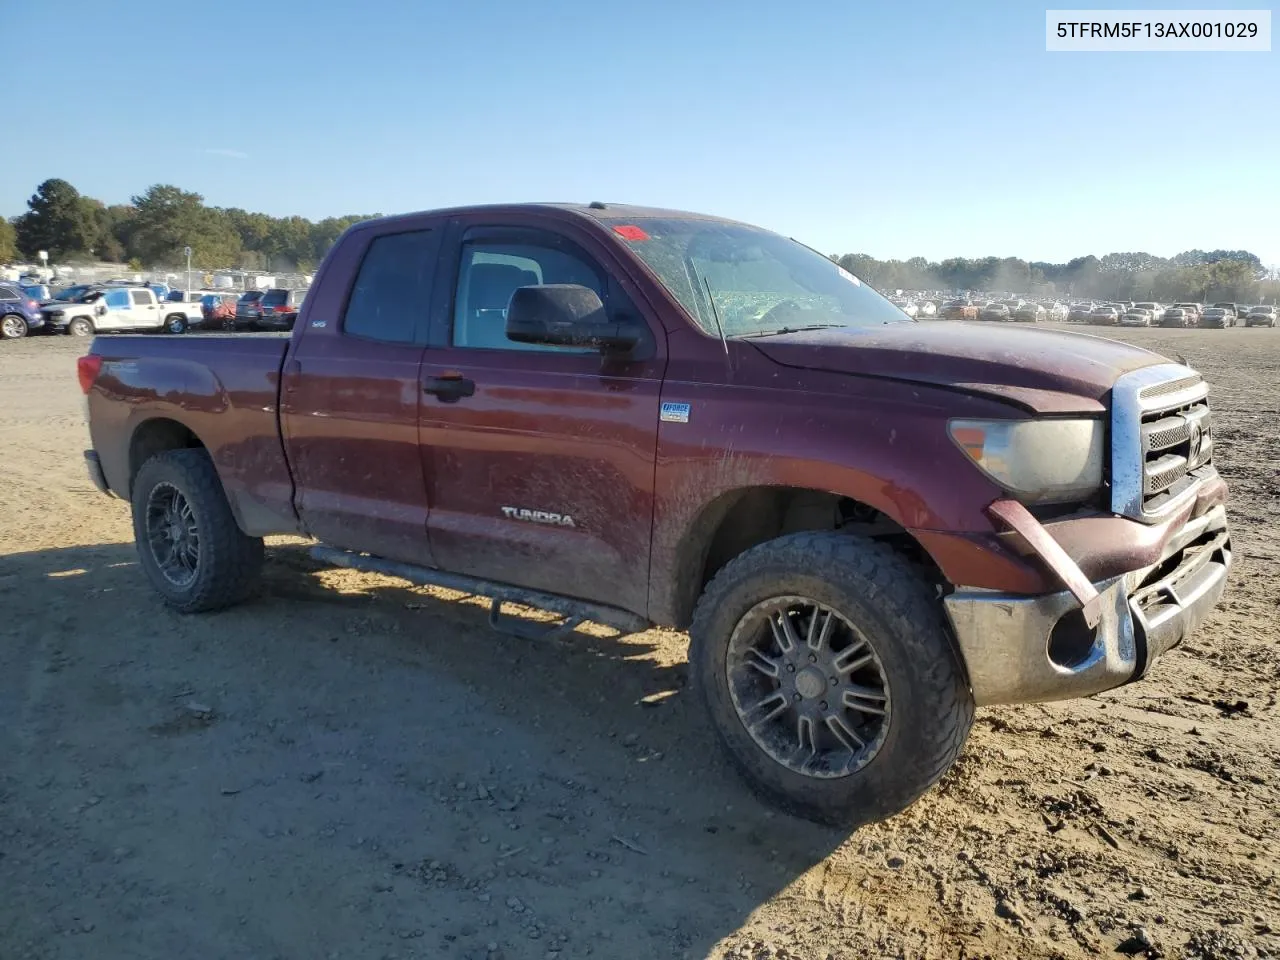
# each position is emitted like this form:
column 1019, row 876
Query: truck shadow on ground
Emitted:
column 366, row 769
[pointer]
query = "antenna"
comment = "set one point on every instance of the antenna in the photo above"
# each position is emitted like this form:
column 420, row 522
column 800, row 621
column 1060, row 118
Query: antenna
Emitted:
column 716, row 313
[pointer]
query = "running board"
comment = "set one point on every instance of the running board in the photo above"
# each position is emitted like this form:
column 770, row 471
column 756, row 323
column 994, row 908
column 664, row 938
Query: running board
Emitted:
column 573, row 611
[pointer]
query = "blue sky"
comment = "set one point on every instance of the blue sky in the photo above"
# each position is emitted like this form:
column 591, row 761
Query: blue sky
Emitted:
column 895, row 129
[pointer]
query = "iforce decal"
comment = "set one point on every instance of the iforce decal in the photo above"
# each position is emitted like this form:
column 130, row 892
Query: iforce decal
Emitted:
column 538, row 516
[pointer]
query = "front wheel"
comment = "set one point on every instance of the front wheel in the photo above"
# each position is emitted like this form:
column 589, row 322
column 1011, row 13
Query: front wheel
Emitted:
column 188, row 541
column 176, row 324
column 80, row 327
column 13, row 327
column 829, row 674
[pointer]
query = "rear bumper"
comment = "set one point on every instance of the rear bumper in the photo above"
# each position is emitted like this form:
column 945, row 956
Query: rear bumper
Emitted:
column 1020, row 649
column 94, row 466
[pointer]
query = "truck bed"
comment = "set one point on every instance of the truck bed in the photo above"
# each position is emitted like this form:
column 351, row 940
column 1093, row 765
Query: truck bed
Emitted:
column 223, row 389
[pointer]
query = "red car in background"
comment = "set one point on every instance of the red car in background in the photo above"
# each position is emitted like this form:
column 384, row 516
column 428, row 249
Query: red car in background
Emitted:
column 219, row 310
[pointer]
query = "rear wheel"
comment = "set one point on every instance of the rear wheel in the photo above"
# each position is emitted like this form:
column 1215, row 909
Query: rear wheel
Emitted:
column 188, row 541
column 80, row 327
column 175, row 324
column 13, row 327
column 829, row 674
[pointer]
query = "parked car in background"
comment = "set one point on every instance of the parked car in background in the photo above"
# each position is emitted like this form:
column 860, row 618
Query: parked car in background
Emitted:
column 1155, row 309
column 1107, row 315
column 1217, row 317
column 38, row 292
column 72, row 293
column 1029, row 313
column 1231, row 307
column 219, row 309
column 1195, row 309
column 108, row 309
column 1079, row 313
column 182, row 310
column 19, row 312
column 994, row 311
column 906, row 306
column 278, row 308
column 1178, row 317
column 926, row 310
column 1136, row 317
column 959, row 310
column 1056, row 312
column 1261, row 316
column 249, row 308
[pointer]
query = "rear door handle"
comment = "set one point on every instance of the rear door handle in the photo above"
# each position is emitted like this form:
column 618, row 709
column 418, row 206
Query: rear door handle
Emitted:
column 450, row 388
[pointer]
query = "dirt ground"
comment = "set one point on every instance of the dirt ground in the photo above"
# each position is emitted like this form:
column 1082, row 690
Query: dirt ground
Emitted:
column 348, row 767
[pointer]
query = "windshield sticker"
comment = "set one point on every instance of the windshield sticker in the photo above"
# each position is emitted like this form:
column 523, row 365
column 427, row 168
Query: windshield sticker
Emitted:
column 630, row 232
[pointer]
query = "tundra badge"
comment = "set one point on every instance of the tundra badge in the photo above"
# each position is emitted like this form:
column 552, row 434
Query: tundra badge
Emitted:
column 538, row 516
column 674, row 413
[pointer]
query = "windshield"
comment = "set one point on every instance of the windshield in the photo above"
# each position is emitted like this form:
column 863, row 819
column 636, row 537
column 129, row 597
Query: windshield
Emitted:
column 275, row 297
column 760, row 282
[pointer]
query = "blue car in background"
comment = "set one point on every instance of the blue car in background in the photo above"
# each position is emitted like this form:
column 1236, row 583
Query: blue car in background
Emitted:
column 19, row 312
column 38, row 292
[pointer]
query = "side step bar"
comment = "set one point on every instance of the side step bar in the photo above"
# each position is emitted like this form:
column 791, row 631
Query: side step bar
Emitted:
column 573, row 611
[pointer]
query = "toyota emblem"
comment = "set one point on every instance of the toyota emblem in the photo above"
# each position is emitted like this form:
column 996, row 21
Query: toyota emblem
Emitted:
column 1196, row 440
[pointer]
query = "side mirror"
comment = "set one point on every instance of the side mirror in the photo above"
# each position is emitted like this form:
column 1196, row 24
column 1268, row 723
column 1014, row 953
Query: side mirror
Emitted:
column 566, row 315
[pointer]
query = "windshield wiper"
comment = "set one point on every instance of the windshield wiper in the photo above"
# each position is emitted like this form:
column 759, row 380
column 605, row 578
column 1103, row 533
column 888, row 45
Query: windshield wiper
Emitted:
column 782, row 330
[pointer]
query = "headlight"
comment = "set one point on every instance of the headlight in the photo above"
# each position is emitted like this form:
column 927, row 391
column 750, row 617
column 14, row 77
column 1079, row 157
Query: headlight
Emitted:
column 1038, row 461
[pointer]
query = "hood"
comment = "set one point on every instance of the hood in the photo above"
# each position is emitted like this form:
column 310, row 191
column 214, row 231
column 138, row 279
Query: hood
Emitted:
column 1045, row 371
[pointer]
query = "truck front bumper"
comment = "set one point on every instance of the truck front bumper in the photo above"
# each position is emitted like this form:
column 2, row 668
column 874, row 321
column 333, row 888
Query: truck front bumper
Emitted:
column 1020, row 649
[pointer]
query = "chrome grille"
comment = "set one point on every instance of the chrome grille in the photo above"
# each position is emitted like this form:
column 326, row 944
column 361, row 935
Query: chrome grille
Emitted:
column 1162, row 440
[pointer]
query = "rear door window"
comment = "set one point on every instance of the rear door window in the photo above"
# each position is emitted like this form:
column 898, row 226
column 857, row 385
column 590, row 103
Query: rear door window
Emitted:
column 391, row 297
column 141, row 298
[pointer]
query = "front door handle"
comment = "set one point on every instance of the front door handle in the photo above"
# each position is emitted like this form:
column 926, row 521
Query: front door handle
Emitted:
column 450, row 388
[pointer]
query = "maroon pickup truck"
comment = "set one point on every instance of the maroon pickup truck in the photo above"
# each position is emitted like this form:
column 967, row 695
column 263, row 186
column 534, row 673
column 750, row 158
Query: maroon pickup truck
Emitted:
column 868, row 526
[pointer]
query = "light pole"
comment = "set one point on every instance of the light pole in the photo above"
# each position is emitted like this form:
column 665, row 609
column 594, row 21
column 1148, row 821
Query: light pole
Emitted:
column 187, row 251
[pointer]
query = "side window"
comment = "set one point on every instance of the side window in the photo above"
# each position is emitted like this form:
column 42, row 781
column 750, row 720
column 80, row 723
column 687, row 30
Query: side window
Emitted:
column 117, row 299
column 141, row 298
column 392, row 292
column 490, row 271
column 8, row 293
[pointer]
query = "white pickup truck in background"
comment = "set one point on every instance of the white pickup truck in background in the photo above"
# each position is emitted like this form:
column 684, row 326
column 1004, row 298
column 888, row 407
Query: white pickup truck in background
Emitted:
column 118, row 309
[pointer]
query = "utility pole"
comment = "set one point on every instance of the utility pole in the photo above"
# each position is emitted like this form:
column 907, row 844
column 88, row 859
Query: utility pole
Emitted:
column 187, row 251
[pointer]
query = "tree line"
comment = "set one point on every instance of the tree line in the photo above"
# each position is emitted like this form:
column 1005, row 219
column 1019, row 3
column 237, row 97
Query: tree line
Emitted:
column 1197, row 275
column 154, row 227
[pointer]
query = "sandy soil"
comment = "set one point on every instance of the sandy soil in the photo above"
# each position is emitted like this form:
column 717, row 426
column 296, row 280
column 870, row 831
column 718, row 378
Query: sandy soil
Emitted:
column 348, row 767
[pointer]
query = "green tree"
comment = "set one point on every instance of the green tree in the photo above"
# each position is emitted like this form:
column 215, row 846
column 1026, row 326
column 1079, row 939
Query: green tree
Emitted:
column 166, row 219
column 57, row 220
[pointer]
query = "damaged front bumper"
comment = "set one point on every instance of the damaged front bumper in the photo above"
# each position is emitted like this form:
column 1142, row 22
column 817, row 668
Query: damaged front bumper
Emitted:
column 1020, row 649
